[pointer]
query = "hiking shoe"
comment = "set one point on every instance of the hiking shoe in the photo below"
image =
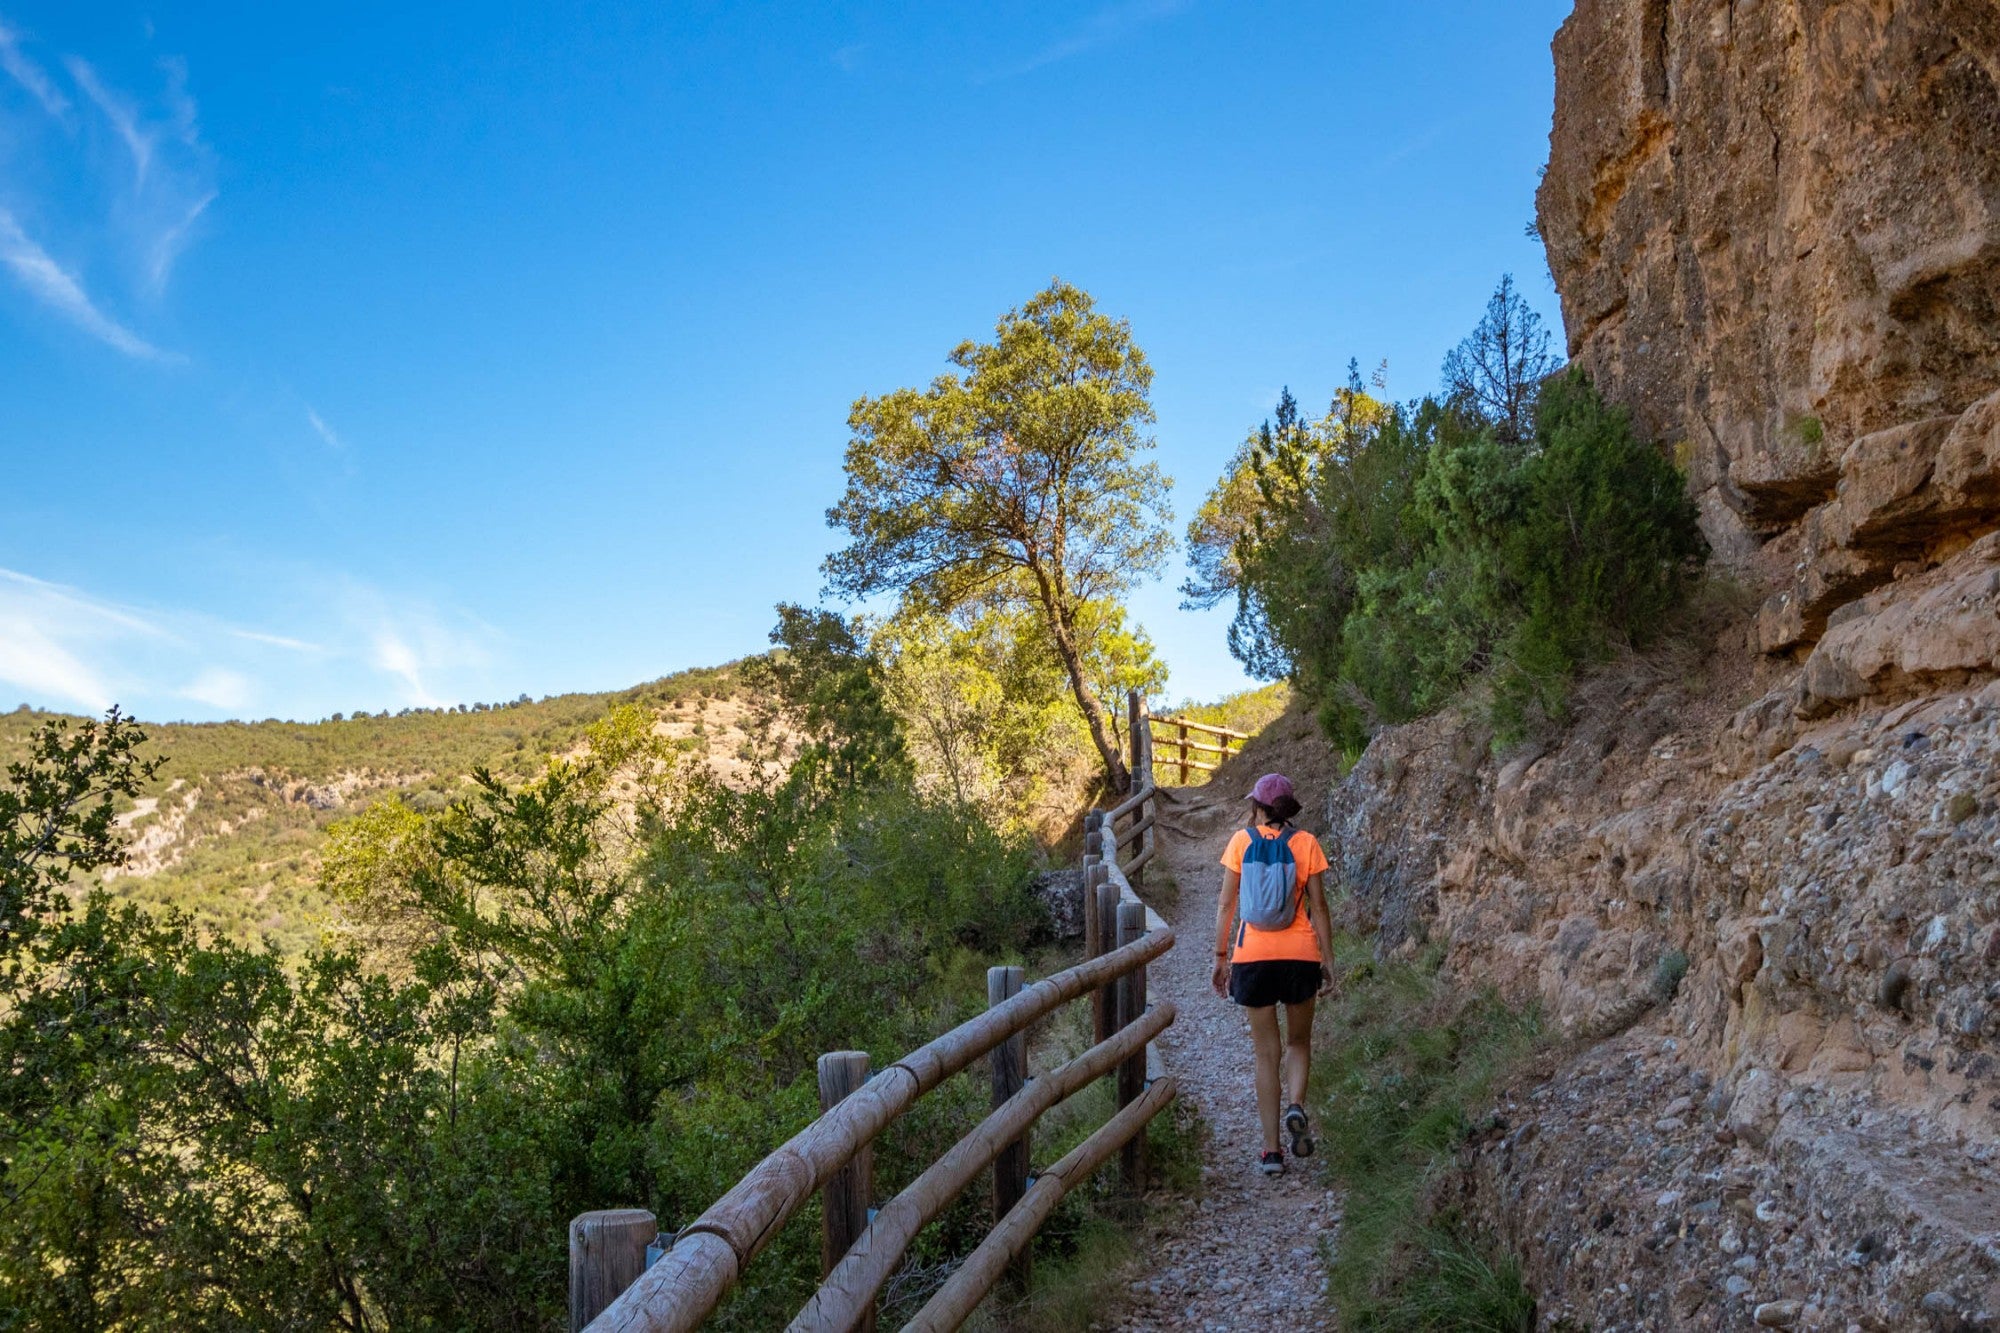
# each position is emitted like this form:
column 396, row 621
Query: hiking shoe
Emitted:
column 1272, row 1163
column 1300, row 1129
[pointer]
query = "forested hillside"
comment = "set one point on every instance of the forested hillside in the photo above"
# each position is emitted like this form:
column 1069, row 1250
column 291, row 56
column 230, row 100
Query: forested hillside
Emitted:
column 231, row 828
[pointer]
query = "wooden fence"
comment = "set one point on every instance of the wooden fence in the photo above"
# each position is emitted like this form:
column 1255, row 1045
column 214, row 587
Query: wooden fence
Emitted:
column 614, row 1289
column 1227, row 742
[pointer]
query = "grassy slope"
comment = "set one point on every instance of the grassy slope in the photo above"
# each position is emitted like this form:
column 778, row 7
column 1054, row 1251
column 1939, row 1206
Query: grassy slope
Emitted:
column 243, row 807
column 1403, row 1063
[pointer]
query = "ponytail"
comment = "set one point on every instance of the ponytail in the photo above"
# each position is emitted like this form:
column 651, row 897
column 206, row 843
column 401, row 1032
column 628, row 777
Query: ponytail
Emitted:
column 1281, row 813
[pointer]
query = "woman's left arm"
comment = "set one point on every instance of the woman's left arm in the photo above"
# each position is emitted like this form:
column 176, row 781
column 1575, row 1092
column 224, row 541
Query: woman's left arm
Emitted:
column 1322, row 924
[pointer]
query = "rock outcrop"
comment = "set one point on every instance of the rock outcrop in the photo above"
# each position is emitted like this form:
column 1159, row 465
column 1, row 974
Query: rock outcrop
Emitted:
column 1776, row 229
column 1755, row 889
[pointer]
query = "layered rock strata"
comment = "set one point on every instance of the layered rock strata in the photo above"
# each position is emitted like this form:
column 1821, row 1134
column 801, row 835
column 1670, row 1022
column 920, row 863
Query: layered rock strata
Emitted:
column 1769, row 950
column 1775, row 227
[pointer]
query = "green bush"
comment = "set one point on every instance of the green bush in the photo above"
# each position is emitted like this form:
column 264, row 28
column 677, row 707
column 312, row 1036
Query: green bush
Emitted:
column 1413, row 549
column 1600, row 546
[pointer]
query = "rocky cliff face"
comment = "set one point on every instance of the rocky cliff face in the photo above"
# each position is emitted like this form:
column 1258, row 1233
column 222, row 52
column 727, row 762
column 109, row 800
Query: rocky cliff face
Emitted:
column 1775, row 225
column 1755, row 885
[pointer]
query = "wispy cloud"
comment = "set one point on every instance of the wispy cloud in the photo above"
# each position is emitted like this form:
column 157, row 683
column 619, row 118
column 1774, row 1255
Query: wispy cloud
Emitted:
column 47, row 637
column 848, row 57
column 30, row 75
column 324, row 431
column 122, row 114
column 127, row 185
column 171, row 241
column 397, row 657
column 365, row 647
column 416, row 645
column 277, row 641
column 1109, row 24
column 58, row 289
column 224, row 690
column 172, row 169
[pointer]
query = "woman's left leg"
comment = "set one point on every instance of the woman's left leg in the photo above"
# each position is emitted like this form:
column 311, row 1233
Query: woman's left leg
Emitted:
column 1264, row 1037
column 1298, row 1050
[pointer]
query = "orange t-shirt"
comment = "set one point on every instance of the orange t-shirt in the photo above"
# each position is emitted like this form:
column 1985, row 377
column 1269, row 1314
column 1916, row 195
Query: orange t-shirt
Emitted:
column 1296, row 942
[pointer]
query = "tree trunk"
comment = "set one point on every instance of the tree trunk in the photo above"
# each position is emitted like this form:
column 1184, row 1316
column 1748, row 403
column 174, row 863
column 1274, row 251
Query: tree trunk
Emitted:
column 1093, row 713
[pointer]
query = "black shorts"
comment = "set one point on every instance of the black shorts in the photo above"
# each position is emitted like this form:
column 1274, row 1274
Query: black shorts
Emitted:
column 1279, row 981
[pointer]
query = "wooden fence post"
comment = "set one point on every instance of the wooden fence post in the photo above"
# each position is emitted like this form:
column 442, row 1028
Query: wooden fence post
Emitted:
column 1093, row 834
column 844, row 1197
column 1132, row 1073
column 1134, row 719
column 1142, row 777
column 607, row 1252
column 1093, row 929
column 1184, row 752
column 1105, row 1002
column 1010, row 1074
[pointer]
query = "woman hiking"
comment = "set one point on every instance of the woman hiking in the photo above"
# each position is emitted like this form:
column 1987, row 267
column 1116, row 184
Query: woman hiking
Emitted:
column 1271, row 934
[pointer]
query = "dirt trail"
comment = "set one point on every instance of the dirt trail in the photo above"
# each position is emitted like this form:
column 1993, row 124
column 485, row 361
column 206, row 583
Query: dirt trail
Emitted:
column 1248, row 1255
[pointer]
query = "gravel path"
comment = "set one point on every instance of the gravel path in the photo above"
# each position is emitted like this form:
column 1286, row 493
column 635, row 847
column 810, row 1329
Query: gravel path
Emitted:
column 1248, row 1255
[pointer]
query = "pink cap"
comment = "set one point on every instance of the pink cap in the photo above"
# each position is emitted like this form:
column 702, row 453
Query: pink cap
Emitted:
column 1270, row 788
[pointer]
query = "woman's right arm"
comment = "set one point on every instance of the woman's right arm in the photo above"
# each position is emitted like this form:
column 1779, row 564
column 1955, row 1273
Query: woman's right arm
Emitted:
column 1225, row 921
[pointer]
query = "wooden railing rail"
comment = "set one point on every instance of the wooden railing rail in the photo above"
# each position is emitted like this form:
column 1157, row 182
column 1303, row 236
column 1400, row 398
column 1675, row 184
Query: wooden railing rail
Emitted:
column 854, row 1282
column 1208, row 727
column 1183, row 746
column 861, row 1251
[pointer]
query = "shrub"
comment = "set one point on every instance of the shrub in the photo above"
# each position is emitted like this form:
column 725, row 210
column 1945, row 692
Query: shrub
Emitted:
column 1671, row 970
column 1602, row 543
column 1423, row 547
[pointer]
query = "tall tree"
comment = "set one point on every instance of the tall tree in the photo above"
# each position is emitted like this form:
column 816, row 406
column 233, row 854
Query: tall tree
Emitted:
column 1017, row 481
column 1497, row 371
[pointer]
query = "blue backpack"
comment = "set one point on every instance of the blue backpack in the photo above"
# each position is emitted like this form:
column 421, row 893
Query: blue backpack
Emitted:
column 1269, row 895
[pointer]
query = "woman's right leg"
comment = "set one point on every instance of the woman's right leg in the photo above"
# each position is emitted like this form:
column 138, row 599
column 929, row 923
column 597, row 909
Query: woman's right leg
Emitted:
column 1269, row 1048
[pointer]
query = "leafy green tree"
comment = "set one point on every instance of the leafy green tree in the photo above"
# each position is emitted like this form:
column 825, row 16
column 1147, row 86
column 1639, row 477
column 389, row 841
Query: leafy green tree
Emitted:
column 1602, row 543
column 1288, row 497
column 605, row 997
column 1392, row 554
column 1016, row 481
column 829, row 681
column 1229, row 512
column 987, row 708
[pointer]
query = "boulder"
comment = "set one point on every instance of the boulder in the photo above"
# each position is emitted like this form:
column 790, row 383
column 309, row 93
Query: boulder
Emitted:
column 1934, row 631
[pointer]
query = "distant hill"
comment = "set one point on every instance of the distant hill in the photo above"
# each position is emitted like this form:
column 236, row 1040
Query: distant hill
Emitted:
column 232, row 828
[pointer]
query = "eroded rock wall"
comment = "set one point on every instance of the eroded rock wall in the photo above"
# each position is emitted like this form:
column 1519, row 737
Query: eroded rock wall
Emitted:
column 1775, row 226
column 1768, row 951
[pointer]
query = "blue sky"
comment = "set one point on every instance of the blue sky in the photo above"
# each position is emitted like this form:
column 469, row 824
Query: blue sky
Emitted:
column 366, row 356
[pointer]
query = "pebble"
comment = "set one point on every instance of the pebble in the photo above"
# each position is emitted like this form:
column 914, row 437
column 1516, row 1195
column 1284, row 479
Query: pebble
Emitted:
column 1940, row 1303
column 1778, row 1314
